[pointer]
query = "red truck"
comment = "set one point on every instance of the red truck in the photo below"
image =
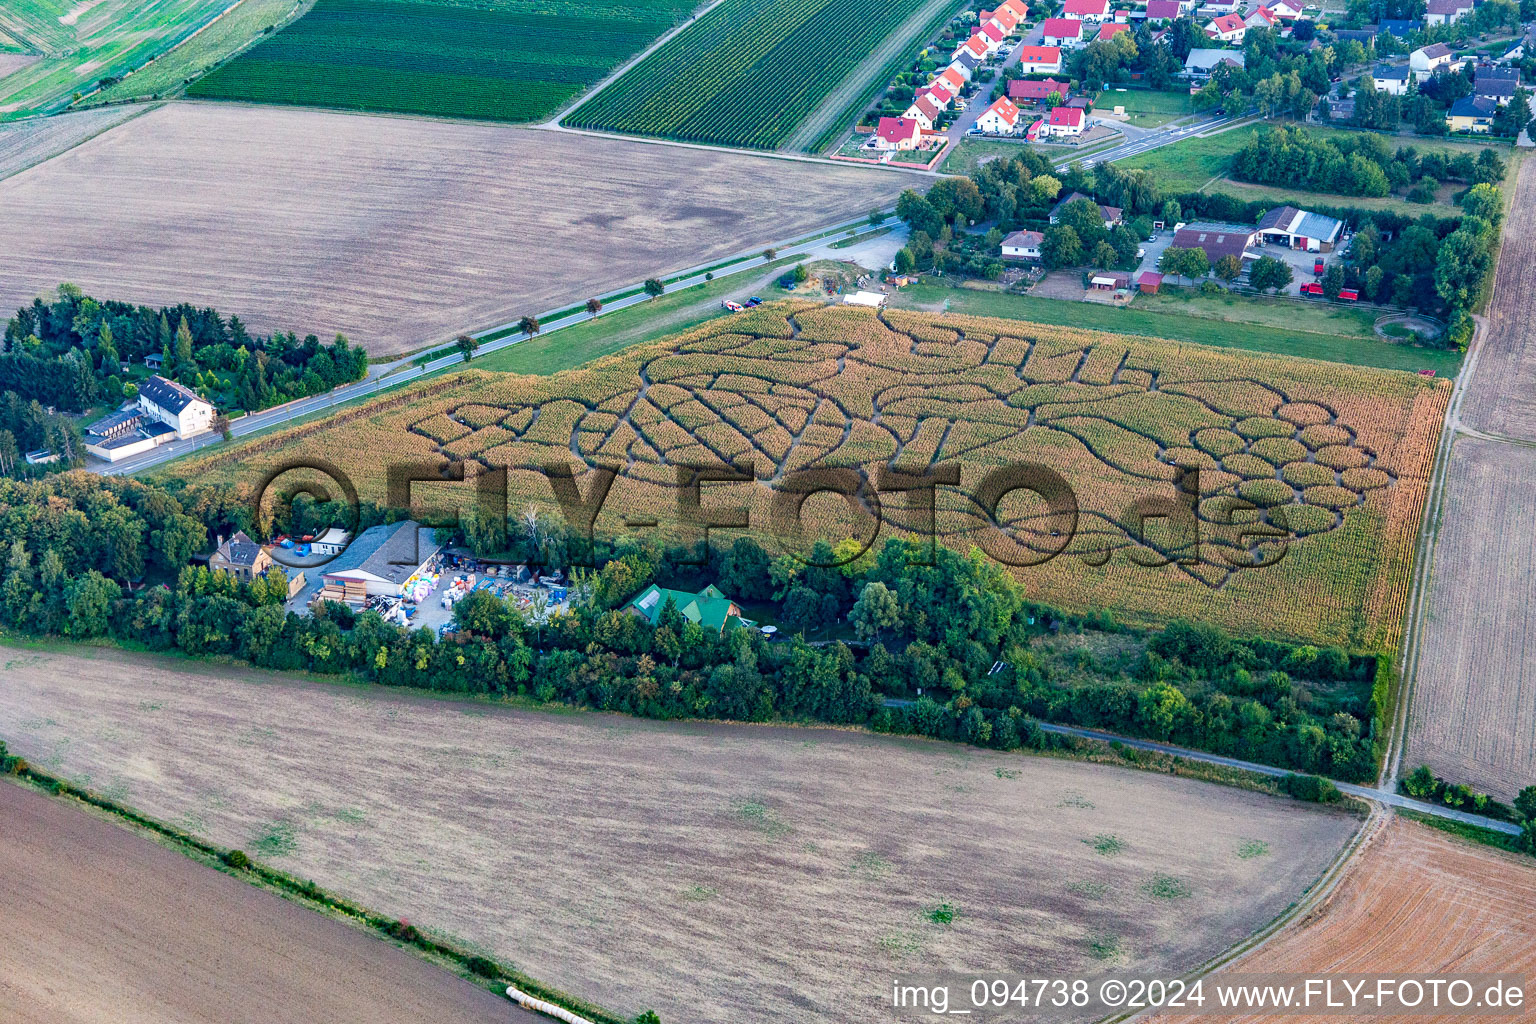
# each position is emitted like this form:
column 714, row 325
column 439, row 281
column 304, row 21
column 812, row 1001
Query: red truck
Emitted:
column 1348, row 295
column 1312, row 288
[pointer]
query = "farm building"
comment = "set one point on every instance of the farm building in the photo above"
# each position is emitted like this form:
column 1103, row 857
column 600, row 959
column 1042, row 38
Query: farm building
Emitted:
column 1040, row 60
column 708, row 608
column 1393, row 80
column 1029, row 90
column 1300, row 229
column 1067, row 32
column 331, row 542
column 1001, row 118
column 897, row 133
column 382, row 559
column 1023, row 245
column 1109, row 280
column 1217, row 240
column 241, row 557
column 1149, row 282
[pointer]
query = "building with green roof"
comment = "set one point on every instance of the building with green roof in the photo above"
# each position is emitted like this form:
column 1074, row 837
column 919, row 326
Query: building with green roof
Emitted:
column 709, row 607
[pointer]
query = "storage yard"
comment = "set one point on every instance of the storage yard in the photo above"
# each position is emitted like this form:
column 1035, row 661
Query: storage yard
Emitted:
column 353, row 243
column 645, row 864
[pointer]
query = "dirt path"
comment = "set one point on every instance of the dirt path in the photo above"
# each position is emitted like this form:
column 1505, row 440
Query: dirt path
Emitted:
column 836, row 101
column 104, row 926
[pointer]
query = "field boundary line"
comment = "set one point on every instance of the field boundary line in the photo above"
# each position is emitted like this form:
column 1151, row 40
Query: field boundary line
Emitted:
column 144, row 109
column 1315, row 898
column 553, row 122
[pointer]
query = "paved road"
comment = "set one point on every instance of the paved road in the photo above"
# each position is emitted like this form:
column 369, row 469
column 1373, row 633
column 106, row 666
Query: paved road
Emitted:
column 1382, row 796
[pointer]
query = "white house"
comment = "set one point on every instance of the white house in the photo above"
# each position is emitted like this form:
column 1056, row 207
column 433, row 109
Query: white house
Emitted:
column 1261, row 17
column 1086, row 10
column 1040, row 60
column 1215, row 7
column 1426, row 60
column 176, row 406
column 923, row 112
column 1023, row 245
column 1001, row 118
column 1064, row 122
column 897, row 133
column 1062, row 32
column 1228, row 28
column 1443, row 12
column 1285, row 10
column 1393, row 80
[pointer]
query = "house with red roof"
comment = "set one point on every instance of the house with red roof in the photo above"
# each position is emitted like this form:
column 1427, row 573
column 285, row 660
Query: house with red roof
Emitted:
column 1229, row 28
column 923, row 112
column 1285, row 10
column 1067, row 32
column 993, row 33
column 976, row 46
column 1038, row 90
column 1262, row 17
column 1087, row 10
column 1003, row 18
column 1018, row 8
column 897, row 133
column 1001, row 118
column 1040, row 60
column 936, row 94
column 1111, row 30
column 1023, row 245
column 952, row 80
column 1065, row 122
column 1164, row 10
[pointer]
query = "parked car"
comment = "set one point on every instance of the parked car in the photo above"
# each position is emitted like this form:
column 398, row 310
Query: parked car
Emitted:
column 754, row 301
column 1141, row 253
column 734, row 307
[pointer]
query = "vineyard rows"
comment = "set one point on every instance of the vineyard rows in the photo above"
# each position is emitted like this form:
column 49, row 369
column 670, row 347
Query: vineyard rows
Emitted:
column 513, row 60
column 1333, row 459
column 747, row 73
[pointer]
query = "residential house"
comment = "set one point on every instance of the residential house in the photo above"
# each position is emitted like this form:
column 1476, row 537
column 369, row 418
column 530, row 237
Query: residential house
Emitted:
column 994, row 35
column 241, row 557
column 1217, row 240
column 1444, row 12
column 1339, row 109
column 1399, row 27
column 175, row 405
column 1214, row 7
column 923, row 112
column 1086, row 10
column 1472, row 114
column 1023, row 245
column 709, row 608
column 1364, row 36
column 935, row 94
column 382, row 560
column 1032, row 90
column 1168, row 10
column 1393, row 80
column 897, row 133
column 1001, row 118
column 1202, row 63
column 975, row 46
column 1496, row 83
column 1019, row 8
column 1261, row 17
column 1065, row 122
column 1111, row 29
column 1040, row 60
column 966, row 65
column 1300, row 229
column 952, row 80
column 1113, row 215
column 1065, row 32
column 1229, row 28
column 1426, row 60
column 1285, row 10
column 1003, row 17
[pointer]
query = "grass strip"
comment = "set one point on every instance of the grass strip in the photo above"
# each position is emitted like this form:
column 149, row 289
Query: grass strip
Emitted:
column 479, row 968
column 1462, row 830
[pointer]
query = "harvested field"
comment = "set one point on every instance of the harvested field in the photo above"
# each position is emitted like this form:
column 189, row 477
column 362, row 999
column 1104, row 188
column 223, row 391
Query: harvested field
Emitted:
column 1416, row 901
column 1474, row 696
column 104, row 926
column 27, row 143
column 394, row 232
column 1501, row 394
column 637, row 863
column 1333, row 459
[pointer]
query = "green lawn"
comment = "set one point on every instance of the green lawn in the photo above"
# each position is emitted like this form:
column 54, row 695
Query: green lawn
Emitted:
column 969, row 154
column 1144, row 107
column 240, row 26
column 1313, row 343
column 82, row 43
column 1193, row 164
column 1266, row 311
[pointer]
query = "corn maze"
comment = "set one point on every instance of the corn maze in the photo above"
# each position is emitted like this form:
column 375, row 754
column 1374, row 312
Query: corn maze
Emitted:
column 1268, row 493
column 747, row 73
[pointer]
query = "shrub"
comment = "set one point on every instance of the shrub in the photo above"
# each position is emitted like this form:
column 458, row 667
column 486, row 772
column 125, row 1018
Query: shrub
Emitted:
column 237, row 860
column 1313, row 788
column 483, row 967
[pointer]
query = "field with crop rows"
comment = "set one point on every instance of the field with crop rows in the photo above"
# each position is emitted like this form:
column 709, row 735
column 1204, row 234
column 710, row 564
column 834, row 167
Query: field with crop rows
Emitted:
column 510, row 60
column 747, row 73
column 1334, row 458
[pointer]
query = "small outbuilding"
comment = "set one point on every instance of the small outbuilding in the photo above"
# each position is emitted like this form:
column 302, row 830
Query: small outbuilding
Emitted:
column 1149, row 282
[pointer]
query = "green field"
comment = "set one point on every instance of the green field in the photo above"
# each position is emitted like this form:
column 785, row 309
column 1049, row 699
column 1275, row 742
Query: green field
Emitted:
column 238, row 27
column 747, row 73
column 510, row 60
column 1321, row 336
column 1197, row 163
column 80, row 44
column 1145, row 108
